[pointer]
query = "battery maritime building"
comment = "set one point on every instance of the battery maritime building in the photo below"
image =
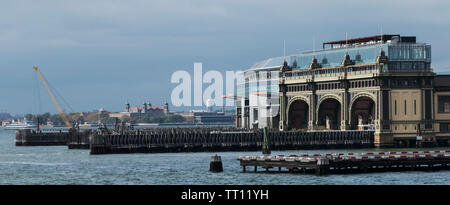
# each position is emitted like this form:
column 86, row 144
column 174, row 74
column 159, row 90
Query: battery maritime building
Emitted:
column 383, row 83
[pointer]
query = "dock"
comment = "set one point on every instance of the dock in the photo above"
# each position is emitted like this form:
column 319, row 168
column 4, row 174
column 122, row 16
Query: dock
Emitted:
column 55, row 137
column 29, row 137
column 220, row 139
column 344, row 163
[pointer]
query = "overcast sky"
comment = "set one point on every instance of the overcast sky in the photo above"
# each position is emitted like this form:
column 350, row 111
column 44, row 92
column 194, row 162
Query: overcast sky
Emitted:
column 104, row 53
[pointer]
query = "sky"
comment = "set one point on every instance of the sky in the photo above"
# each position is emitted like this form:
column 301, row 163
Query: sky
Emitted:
column 105, row 53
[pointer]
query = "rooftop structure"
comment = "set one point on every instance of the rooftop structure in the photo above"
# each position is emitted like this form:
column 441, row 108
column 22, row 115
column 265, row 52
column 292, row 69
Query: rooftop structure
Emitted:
column 363, row 40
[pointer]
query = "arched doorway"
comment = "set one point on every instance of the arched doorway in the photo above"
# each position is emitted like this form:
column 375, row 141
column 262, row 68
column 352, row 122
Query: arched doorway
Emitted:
column 362, row 113
column 329, row 115
column 298, row 115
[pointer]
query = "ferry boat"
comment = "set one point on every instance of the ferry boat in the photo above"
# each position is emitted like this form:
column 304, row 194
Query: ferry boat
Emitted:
column 25, row 124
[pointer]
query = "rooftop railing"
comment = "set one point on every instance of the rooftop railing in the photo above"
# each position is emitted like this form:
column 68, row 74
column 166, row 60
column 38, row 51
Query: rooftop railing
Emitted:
column 338, row 72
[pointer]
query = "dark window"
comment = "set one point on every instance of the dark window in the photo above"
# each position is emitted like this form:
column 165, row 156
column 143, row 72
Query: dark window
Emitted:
column 415, row 109
column 444, row 104
column 385, row 105
column 395, row 107
column 427, row 104
column 385, row 82
column 444, row 127
column 405, row 107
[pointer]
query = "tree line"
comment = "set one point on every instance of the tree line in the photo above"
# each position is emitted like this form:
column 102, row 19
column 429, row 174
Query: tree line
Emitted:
column 103, row 118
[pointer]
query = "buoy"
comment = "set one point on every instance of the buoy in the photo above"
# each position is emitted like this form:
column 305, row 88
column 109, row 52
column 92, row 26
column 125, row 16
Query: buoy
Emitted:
column 216, row 164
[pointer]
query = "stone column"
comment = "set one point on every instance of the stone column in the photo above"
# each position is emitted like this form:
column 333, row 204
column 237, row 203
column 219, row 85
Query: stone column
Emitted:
column 328, row 123
column 312, row 108
column 344, row 107
column 282, row 125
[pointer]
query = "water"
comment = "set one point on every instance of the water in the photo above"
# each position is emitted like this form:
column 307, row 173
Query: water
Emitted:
column 58, row 165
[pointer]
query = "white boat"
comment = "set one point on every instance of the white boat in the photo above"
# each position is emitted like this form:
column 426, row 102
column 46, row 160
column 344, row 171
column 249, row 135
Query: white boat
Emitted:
column 25, row 124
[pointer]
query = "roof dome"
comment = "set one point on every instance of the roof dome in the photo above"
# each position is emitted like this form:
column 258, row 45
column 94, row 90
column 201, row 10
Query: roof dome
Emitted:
column 314, row 64
column 324, row 60
column 347, row 61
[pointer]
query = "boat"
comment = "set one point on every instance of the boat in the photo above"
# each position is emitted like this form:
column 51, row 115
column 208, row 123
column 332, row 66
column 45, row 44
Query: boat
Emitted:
column 25, row 124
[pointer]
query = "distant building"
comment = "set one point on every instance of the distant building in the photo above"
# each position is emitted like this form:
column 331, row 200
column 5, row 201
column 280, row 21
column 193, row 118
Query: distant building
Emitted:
column 4, row 116
column 145, row 110
column 213, row 117
column 257, row 99
column 206, row 117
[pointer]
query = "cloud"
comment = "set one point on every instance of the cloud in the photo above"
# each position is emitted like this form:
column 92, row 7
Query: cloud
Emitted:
column 83, row 43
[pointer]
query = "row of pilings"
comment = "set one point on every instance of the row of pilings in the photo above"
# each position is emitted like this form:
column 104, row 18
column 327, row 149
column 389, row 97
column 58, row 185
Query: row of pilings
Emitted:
column 220, row 139
column 73, row 139
column 212, row 139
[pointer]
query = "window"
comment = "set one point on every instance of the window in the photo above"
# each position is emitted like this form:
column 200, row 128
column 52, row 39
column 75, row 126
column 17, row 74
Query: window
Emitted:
column 395, row 107
column 444, row 127
column 405, row 107
column 444, row 104
column 415, row 109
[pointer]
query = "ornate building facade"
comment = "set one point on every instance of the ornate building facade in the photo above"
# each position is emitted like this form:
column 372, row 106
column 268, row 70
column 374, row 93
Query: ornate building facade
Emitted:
column 383, row 83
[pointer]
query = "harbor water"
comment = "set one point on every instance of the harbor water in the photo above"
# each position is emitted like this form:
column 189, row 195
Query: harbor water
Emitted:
column 59, row 165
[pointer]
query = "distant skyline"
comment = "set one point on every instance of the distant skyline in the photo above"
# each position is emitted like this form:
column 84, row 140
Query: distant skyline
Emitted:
column 105, row 53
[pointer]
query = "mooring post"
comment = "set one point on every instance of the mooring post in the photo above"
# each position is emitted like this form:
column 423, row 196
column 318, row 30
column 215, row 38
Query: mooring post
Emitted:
column 37, row 126
column 323, row 166
column 216, row 164
column 266, row 146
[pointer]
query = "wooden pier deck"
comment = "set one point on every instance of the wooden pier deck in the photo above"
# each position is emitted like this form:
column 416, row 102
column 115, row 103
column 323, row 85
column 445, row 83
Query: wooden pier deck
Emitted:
column 343, row 163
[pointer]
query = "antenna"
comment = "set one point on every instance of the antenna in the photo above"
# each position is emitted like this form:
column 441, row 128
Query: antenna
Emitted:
column 381, row 33
column 381, row 44
column 346, row 42
column 284, row 50
column 314, row 45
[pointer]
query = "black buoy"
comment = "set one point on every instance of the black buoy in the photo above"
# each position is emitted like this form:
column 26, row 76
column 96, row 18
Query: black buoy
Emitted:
column 216, row 164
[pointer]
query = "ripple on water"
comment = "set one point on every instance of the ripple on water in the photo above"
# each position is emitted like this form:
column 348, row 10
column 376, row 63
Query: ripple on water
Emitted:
column 58, row 165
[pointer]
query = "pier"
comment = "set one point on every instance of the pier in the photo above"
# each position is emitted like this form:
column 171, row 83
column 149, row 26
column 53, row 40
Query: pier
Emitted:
column 220, row 139
column 53, row 137
column 29, row 137
column 343, row 163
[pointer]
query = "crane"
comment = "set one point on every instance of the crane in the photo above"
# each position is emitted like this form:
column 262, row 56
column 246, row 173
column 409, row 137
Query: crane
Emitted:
column 52, row 97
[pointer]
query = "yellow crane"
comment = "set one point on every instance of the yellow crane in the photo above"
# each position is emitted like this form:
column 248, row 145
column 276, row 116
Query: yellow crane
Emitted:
column 52, row 97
